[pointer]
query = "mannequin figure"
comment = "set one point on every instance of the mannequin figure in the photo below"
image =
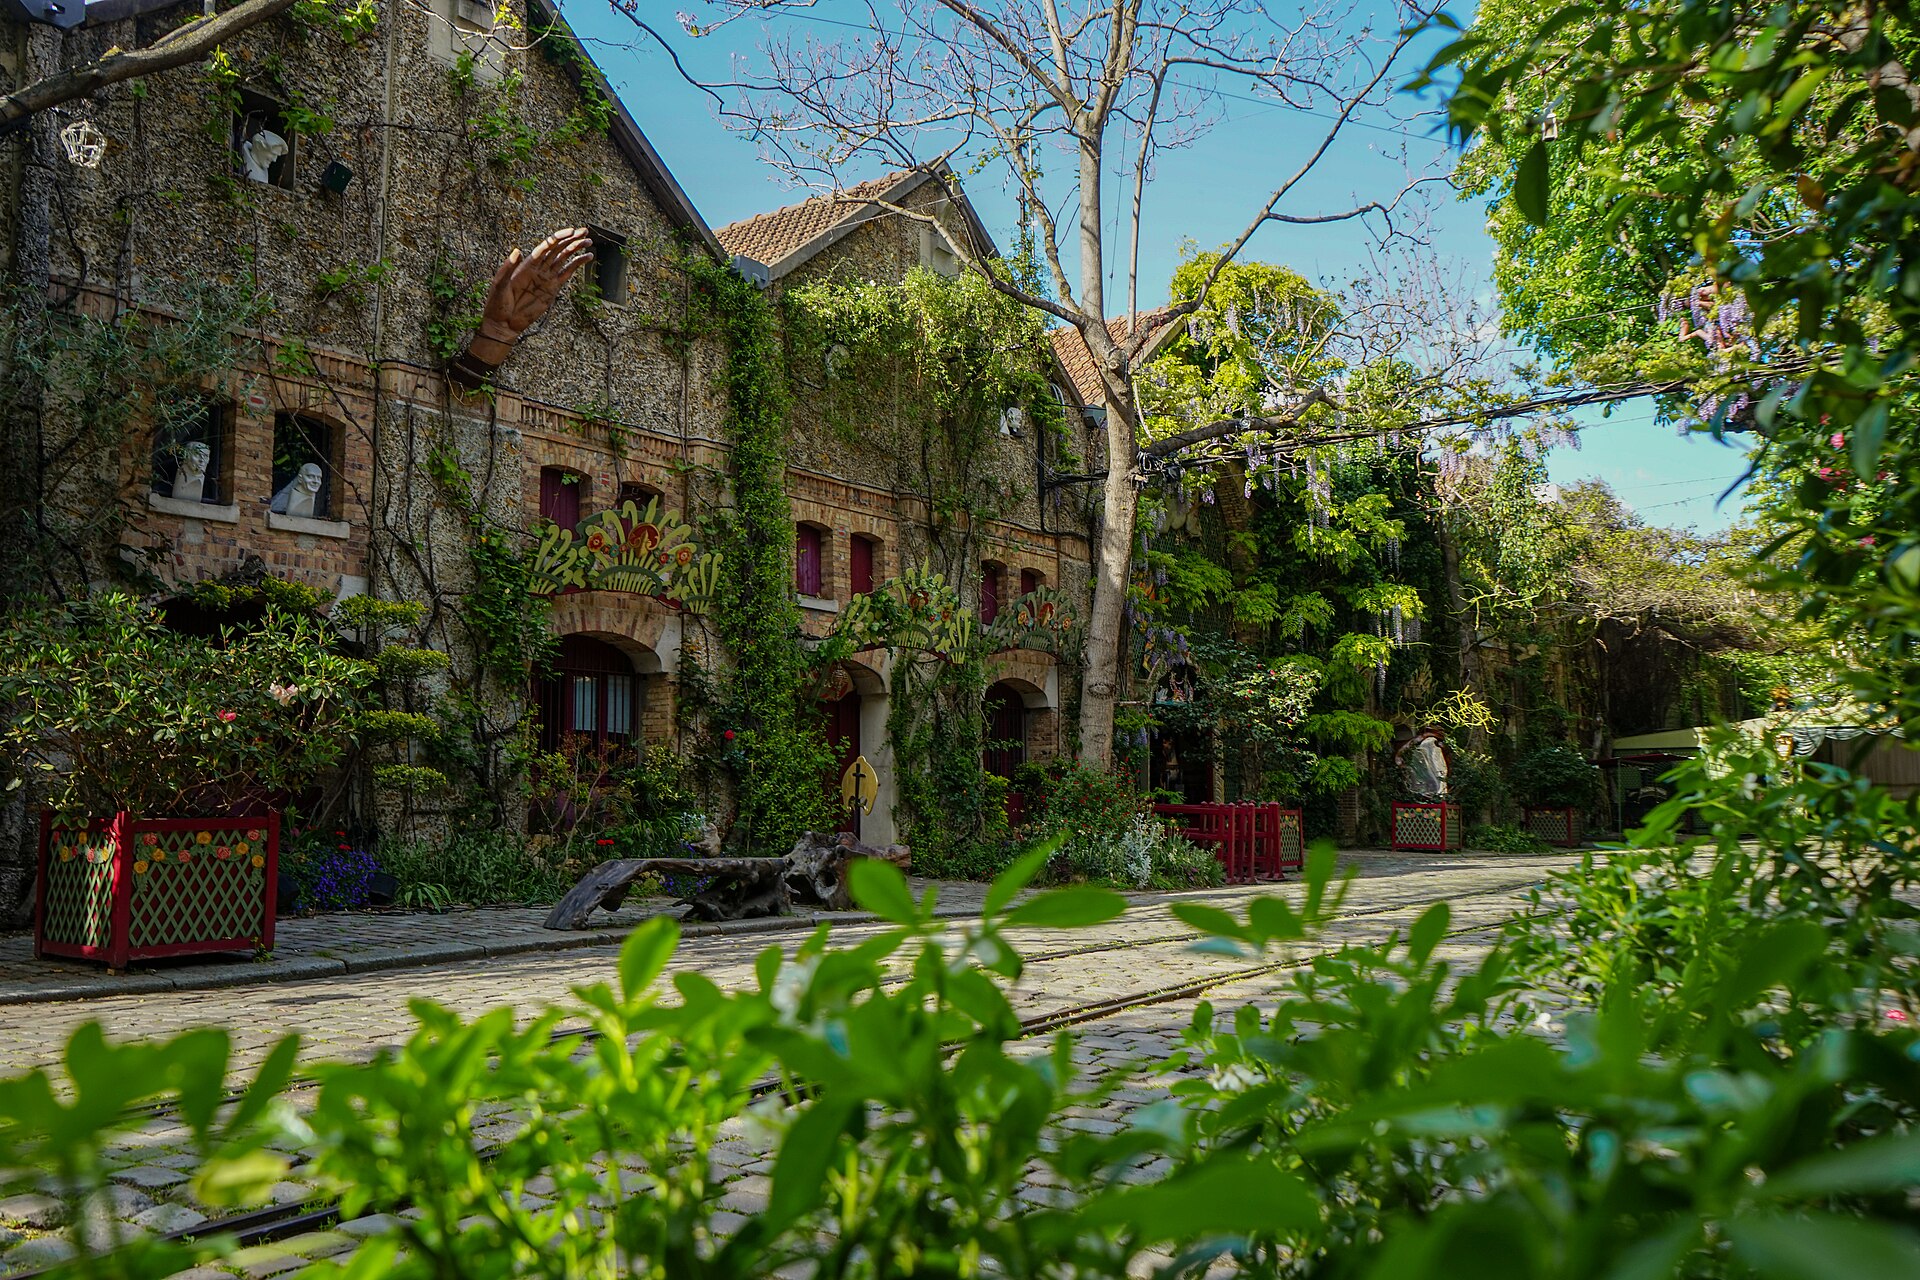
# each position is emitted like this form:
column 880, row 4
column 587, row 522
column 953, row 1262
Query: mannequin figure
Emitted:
column 300, row 496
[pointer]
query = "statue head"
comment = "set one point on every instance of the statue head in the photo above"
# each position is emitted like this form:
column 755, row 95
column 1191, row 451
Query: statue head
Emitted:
column 195, row 456
column 309, row 478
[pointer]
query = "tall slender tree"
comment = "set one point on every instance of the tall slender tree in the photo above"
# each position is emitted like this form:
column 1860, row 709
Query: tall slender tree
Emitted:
column 1072, row 101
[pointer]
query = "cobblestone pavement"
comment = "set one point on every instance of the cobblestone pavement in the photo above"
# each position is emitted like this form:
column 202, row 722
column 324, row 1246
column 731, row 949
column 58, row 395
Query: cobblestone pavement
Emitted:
column 349, row 942
column 351, row 1016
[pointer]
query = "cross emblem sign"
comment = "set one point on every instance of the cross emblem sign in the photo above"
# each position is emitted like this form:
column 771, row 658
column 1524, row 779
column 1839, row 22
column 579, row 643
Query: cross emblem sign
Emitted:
column 859, row 787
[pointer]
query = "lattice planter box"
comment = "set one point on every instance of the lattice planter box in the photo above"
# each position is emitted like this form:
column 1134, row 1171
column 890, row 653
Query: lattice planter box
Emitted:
column 1556, row 826
column 1427, row 826
column 136, row 888
column 1293, row 840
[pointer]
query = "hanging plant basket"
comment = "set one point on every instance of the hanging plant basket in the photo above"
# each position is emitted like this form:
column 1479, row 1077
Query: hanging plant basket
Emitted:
column 131, row 888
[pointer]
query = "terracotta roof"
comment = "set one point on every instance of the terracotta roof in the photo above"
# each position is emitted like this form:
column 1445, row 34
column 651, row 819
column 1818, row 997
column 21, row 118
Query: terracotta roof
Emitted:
column 1071, row 350
column 769, row 237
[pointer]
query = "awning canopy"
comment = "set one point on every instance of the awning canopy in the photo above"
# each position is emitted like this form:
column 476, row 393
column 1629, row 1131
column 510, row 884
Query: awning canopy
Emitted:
column 1808, row 728
column 1666, row 740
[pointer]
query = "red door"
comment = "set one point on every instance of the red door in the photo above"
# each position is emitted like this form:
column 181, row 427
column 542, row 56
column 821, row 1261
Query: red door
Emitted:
column 843, row 731
column 1006, row 715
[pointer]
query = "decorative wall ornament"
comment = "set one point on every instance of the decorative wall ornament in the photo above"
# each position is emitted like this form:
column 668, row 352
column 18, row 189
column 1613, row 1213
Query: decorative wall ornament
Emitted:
column 647, row 551
column 921, row 611
column 520, row 294
column 84, row 143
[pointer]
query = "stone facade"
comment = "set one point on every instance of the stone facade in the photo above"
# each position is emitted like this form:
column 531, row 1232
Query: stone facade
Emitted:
column 422, row 151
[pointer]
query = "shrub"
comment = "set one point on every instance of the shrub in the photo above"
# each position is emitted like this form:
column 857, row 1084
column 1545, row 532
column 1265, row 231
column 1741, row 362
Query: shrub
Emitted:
column 1555, row 777
column 1089, row 802
column 1476, row 784
column 1179, row 864
column 117, row 712
column 1382, row 1114
column 482, row 868
column 1504, row 838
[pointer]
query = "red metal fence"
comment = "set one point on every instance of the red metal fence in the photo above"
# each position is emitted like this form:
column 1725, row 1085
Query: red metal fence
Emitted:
column 1252, row 841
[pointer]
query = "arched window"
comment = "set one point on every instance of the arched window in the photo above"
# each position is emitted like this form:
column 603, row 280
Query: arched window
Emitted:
column 1030, row 581
column 593, row 693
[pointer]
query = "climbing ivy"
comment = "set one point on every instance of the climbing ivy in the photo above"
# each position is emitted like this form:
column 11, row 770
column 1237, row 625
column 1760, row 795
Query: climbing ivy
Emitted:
column 763, row 729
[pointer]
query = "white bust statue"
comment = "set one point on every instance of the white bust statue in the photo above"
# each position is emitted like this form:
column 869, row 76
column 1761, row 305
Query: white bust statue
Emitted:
column 259, row 152
column 190, row 471
column 301, row 495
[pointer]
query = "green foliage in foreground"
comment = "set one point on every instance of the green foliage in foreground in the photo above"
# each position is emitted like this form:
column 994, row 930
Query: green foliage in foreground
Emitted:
column 1381, row 1114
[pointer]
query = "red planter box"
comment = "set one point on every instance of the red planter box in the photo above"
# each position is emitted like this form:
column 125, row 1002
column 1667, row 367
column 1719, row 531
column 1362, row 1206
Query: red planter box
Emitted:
column 1556, row 826
column 1427, row 826
column 135, row 888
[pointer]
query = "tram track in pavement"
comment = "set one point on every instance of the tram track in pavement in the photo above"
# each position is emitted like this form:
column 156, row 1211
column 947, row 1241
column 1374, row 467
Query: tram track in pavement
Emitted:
column 276, row 1223
column 857, row 931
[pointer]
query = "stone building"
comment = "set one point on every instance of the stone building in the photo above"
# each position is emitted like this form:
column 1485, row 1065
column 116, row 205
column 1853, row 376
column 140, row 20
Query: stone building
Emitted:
column 291, row 240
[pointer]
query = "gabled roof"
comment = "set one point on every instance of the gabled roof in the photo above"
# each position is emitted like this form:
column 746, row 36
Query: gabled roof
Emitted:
column 771, row 237
column 1071, row 350
column 786, row 238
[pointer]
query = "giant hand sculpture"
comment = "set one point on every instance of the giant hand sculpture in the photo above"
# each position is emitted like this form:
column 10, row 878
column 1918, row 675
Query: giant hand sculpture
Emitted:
column 522, row 290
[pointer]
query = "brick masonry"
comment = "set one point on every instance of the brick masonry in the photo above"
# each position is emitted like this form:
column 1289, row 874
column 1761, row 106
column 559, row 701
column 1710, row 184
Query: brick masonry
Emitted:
column 359, row 283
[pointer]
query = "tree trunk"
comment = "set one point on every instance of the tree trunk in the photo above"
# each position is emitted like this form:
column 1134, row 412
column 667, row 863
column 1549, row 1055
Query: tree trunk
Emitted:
column 814, row 873
column 1106, row 629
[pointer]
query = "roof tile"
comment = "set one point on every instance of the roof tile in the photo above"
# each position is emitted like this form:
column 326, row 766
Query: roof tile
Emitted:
column 769, row 237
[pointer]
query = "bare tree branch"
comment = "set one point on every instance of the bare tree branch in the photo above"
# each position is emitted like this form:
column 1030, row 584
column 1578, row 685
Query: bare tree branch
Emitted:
column 177, row 48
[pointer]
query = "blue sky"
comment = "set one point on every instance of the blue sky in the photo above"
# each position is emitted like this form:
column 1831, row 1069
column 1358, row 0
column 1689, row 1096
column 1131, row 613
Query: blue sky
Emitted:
column 1204, row 193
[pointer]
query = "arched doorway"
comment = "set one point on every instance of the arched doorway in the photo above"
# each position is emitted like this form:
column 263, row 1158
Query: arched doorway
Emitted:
column 853, row 717
column 1005, row 710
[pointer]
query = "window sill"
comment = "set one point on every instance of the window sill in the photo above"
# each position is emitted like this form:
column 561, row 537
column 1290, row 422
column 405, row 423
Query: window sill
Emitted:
column 304, row 524
column 229, row 514
column 819, row 604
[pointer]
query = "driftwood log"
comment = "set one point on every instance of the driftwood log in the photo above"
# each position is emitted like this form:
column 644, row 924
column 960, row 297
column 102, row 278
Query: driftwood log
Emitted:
column 813, row 874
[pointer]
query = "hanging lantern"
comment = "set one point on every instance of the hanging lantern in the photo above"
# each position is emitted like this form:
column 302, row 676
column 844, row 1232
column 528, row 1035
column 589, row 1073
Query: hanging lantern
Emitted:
column 84, row 143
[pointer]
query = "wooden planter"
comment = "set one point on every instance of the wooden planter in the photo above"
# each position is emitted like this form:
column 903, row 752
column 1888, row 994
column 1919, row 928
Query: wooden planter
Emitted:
column 1559, row 827
column 1427, row 826
column 133, row 888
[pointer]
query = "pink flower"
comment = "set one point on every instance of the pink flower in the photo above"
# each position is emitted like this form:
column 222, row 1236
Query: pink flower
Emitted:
column 228, row 717
column 1837, row 440
column 1897, row 1015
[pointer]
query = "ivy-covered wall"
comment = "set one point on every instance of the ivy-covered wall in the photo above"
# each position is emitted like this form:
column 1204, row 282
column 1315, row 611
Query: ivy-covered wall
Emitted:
column 342, row 304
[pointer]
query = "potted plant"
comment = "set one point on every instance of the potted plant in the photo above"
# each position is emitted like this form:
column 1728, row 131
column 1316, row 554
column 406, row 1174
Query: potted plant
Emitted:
column 164, row 759
column 1556, row 786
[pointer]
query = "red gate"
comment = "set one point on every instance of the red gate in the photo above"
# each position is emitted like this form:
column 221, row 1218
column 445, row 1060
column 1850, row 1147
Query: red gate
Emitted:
column 1253, row 841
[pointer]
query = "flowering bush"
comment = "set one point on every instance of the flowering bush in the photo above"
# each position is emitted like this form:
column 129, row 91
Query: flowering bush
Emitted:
column 1144, row 855
column 335, row 877
column 118, row 712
